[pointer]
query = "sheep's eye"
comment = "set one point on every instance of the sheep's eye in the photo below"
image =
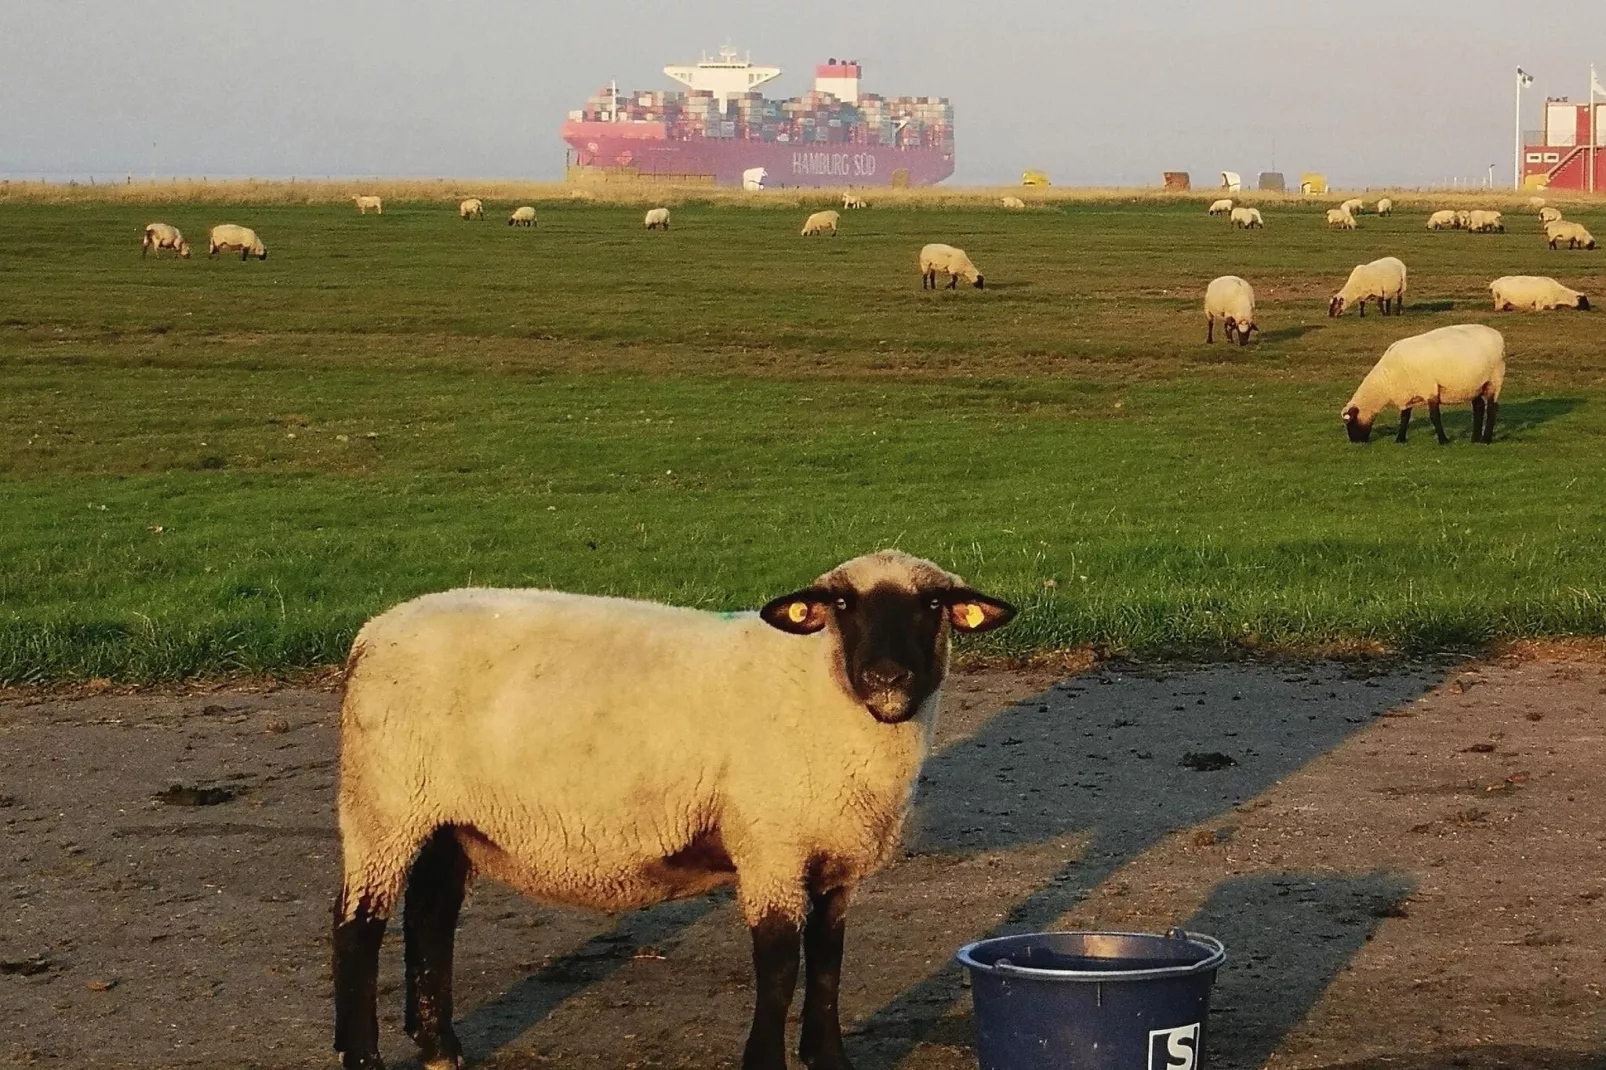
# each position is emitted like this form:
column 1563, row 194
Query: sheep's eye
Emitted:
column 842, row 604
column 936, row 603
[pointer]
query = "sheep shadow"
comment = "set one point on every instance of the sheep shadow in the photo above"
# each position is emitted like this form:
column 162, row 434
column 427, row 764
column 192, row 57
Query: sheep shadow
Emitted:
column 1095, row 757
column 1430, row 306
column 1289, row 334
column 1518, row 416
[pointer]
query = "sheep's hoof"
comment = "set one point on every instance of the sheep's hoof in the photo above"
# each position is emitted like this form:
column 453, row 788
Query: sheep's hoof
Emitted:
column 444, row 1062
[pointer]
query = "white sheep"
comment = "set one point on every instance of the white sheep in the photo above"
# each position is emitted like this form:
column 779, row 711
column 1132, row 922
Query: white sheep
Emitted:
column 821, row 223
column 1337, row 217
column 522, row 217
column 159, row 236
column 226, row 237
column 941, row 259
column 1221, row 207
column 1231, row 300
column 1534, row 293
column 1463, row 219
column 365, row 203
column 1381, row 279
column 1013, row 202
column 1548, row 216
column 1354, row 206
column 1485, row 222
column 1446, row 366
column 1385, row 207
column 1573, row 234
column 1536, row 203
column 657, row 219
column 1442, row 220
column 473, row 208
column 1247, row 218
column 853, row 200
column 614, row 754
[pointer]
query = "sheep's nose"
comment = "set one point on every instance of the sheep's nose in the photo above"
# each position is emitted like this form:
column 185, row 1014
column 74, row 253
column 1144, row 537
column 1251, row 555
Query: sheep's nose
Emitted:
column 887, row 678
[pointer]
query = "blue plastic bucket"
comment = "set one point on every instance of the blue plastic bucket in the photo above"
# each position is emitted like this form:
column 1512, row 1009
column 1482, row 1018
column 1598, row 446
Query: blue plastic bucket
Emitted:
column 1092, row 1001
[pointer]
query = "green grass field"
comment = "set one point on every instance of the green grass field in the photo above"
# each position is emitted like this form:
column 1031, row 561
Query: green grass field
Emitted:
column 220, row 466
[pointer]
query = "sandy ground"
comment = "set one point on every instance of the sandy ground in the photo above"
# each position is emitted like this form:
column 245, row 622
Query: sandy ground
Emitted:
column 1406, row 865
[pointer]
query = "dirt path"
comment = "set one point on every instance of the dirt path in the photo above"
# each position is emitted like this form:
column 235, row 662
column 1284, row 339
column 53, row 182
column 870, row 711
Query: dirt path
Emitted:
column 1407, row 869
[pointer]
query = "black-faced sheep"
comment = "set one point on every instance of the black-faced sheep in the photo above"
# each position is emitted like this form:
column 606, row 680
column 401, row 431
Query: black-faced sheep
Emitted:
column 1231, row 300
column 159, row 236
column 938, row 259
column 1382, row 279
column 227, row 237
column 1449, row 365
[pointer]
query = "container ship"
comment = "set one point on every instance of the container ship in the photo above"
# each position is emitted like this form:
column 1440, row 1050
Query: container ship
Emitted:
column 722, row 130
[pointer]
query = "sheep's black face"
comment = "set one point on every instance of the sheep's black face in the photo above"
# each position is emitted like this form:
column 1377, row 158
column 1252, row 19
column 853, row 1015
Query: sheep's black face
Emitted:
column 1358, row 431
column 894, row 640
column 1335, row 307
column 1583, row 302
column 978, row 282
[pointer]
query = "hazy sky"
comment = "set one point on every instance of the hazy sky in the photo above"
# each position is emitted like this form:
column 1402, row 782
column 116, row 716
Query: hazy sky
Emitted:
column 1409, row 91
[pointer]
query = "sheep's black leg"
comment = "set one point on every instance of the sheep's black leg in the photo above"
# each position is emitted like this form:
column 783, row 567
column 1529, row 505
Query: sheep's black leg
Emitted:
column 1488, row 422
column 1405, row 421
column 953, row 281
column 775, row 959
column 820, row 1042
column 1210, row 330
column 1477, row 419
column 356, row 981
column 1363, row 308
column 1438, row 424
column 429, row 926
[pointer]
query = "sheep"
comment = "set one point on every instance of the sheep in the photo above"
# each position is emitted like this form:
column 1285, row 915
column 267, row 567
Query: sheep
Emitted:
column 821, row 222
column 1481, row 222
column 159, row 236
column 1443, row 220
column 615, row 754
column 1385, row 207
column 1232, row 300
column 1533, row 293
column 1548, row 216
column 1354, row 206
column 1449, row 365
column 1012, row 202
column 1573, row 234
column 945, row 259
column 657, row 219
column 852, row 200
column 1463, row 220
column 1222, row 207
column 365, row 203
column 1381, row 279
column 522, row 217
column 1536, row 203
column 1337, row 217
column 473, row 208
column 1247, row 218
column 226, row 237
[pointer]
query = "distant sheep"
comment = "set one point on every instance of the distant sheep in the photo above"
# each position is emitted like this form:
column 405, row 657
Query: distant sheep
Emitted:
column 853, row 200
column 1482, row 222
column 1463, row 219
column 1534, row 293
column 1247, row 218
column 226, row 237
column 1383, row 280
column 1354, row 206
column 937, row 259
column 1012, row 202
column 1536, row 203
column 1573, row 234
column 1222, row 207
column 821, row 223
column 1231, row 300
column 657, row 219
column 1385, row 207
column 365, row 203
column 1446, row 366
column 1337, row 217
column 473, row 208
column 1444, row 220
column 522, row 217
column 1548, row 216
column 159, row 236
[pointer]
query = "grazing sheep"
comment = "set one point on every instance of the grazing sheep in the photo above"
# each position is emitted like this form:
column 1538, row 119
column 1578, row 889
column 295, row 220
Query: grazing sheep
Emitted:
column 1548, row 216
column 1443, row 220
column 226, row 237
column 1463, row 220
column 821, row 222
column 1013, row 202
column 522, row 217
column 1337, row 217
column 657, row 219
column 1385, row 207
column 1481, row 222
column 1446, row 366
column 1354, row 206
column 938, row 259
column 1247, row 218
column 365, row 203
column 1231, row 300
column 1573, row 234
column 473, row 208
column 1222, row 207
column 1536, row 203
column 614, row 754
column 159, row 236
column 1534, row 293
column 853, row 200
column 1381, row 279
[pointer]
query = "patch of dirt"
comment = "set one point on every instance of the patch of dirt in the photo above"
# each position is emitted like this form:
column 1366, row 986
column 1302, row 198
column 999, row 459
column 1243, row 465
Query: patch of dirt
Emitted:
column 1392, row 893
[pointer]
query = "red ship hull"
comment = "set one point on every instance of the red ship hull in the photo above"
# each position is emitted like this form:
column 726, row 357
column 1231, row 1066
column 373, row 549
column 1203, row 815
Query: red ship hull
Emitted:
column 645, row 148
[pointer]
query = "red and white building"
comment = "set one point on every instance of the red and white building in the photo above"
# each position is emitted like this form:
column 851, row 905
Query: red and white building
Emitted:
column 1558, row 156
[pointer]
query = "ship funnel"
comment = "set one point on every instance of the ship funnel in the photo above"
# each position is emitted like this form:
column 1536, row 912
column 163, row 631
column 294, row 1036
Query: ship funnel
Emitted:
column 840, row 78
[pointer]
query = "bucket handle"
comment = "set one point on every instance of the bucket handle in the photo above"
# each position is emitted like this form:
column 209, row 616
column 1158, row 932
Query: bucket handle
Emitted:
column 1176, row 932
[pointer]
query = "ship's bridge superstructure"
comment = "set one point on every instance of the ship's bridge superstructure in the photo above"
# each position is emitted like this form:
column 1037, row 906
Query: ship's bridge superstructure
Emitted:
column 725, row 77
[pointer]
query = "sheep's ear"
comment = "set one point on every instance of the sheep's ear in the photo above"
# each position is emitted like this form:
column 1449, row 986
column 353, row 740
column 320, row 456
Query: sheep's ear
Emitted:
column 799, row 613
column 972, row 611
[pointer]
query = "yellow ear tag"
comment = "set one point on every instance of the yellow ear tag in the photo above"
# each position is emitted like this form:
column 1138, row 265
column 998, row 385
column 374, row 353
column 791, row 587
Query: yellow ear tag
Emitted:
column 798, row 612
column 974, row 615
